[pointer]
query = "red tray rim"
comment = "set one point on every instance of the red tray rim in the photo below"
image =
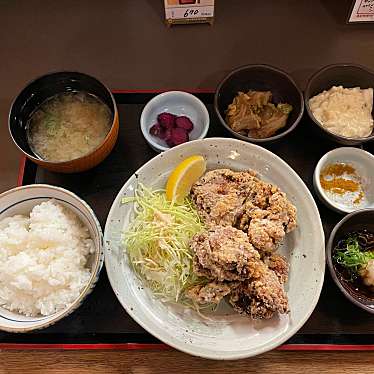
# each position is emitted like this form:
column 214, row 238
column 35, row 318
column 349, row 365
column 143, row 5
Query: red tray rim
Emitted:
column 159, row 346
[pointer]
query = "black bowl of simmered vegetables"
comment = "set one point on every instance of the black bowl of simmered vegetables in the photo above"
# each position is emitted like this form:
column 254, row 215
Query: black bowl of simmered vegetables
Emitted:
column 258, row 103
column 350, row 257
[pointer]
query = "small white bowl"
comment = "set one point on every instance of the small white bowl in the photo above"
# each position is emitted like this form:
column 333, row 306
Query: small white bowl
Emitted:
column 179, row 103
column 21, row 200
column 363, row 162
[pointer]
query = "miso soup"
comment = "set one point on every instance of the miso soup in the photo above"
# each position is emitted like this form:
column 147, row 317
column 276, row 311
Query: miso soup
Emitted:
column 68, row 126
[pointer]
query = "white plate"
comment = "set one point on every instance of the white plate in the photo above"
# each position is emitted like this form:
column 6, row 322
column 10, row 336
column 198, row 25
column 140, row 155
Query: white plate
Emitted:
column 228, row 335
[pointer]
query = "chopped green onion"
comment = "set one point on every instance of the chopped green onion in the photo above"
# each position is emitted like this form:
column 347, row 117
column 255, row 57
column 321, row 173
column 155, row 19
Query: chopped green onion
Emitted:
column 349, row 254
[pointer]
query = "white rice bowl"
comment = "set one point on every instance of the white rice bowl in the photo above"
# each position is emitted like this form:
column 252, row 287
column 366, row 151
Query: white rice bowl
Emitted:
column 43, row 260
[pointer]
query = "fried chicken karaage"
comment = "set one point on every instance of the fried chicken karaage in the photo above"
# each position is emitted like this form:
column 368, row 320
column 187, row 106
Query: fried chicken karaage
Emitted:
column 247, row 219
column 240, row 199
column 224, row 254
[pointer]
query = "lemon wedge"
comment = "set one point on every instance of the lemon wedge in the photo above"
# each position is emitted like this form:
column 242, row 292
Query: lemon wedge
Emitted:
column 183, row 177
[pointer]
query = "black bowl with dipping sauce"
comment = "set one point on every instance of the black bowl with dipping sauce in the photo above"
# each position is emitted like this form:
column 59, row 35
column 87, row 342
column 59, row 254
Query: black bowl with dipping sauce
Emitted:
column 346, row 75
column 46, row 87
column 355, row 292
column 260, row 78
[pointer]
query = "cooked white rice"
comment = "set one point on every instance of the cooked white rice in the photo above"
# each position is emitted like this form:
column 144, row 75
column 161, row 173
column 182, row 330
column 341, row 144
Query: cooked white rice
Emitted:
column 42, row 260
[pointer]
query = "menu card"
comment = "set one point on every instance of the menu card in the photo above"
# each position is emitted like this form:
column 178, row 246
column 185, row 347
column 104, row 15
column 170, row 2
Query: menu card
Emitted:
column 362, row 11
column 189, row 11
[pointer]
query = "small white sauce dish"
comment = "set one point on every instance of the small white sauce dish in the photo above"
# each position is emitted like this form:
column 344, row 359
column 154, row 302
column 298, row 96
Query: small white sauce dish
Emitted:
column 363, row 163
column 179, row 103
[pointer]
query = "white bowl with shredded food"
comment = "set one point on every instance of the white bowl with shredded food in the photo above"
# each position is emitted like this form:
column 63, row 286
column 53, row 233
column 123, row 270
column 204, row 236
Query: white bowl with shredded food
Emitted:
column 352, row 187
column 50, row 255
column 221, row 333
column 339, row 101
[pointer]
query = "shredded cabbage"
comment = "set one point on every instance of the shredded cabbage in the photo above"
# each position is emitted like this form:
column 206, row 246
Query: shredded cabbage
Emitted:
column 157, row 243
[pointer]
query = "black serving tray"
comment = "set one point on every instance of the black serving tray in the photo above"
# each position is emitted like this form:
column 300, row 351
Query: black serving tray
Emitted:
column 101, row 322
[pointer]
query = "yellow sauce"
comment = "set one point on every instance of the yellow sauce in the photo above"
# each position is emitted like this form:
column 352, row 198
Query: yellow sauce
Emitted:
column 341, row 178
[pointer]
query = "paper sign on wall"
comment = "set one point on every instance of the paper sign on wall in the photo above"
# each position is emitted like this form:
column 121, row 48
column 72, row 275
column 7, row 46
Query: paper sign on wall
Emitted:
column 362, row 11
column 189, row 11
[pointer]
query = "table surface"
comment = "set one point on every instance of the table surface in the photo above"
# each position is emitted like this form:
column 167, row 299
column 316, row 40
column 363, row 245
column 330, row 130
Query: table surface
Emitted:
column 126, row 45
